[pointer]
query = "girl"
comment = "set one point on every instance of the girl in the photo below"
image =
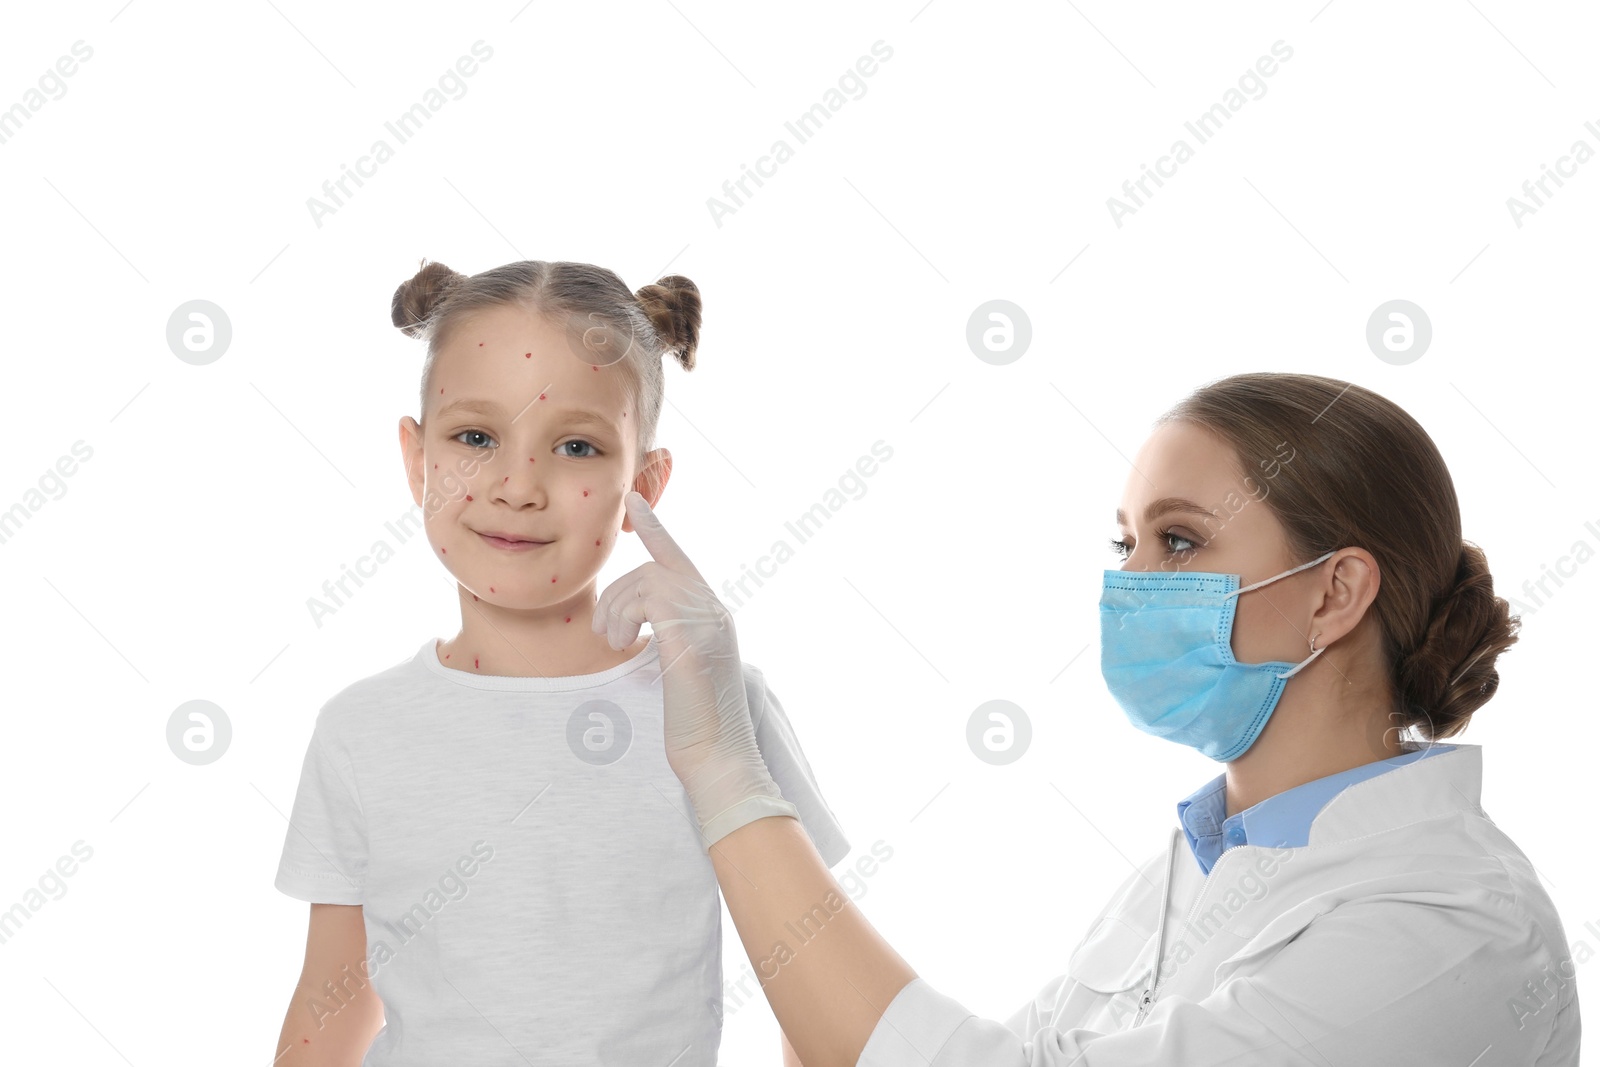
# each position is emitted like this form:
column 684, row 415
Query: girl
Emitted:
column 501, row 865
column 1337, row 896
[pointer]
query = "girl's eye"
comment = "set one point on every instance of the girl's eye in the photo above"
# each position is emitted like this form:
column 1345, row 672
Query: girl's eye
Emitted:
column 578, row 441
column 1122, row 548
column 470, row 444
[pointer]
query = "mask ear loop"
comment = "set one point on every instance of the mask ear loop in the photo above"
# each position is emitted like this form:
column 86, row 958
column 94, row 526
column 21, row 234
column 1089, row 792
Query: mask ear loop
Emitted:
column 1315, row 652
column 1275, row 577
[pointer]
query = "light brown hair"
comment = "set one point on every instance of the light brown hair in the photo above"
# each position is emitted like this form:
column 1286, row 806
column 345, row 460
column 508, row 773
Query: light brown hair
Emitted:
column 602, row 316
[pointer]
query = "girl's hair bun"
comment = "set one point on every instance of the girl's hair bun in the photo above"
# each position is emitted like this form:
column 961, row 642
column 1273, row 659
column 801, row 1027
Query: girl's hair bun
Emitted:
column 673, row 306
column 418, row 297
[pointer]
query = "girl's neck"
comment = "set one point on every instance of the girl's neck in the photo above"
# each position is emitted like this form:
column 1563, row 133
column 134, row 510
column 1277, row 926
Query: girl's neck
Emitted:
column 463, row 654
column 553, row 643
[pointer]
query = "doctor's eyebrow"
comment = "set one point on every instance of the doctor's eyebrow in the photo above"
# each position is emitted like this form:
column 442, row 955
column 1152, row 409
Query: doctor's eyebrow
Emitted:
column 1163, row 506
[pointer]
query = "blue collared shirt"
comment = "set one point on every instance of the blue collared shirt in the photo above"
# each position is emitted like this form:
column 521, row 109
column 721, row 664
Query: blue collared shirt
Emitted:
column 1278, row 821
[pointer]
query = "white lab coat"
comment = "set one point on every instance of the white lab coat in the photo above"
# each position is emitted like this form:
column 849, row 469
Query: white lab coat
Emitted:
column 1408, row 930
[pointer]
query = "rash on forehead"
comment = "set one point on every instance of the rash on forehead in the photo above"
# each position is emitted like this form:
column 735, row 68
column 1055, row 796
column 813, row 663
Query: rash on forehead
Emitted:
column 513, row 357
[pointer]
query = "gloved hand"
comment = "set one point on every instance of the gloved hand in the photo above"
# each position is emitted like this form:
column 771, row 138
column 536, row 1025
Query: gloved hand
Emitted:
column 710, row 740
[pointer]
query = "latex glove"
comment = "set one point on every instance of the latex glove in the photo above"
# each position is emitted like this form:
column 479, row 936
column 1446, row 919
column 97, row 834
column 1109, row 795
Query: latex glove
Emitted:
column 710, row 740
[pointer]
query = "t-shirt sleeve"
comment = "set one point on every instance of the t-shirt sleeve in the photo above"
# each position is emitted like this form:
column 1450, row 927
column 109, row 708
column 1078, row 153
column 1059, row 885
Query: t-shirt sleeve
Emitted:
column 786, row 762
column 325, row 847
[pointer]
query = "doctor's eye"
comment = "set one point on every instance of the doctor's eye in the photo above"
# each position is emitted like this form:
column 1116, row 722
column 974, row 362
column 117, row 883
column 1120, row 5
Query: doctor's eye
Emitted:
column 1122, row 548
column 1170, row 536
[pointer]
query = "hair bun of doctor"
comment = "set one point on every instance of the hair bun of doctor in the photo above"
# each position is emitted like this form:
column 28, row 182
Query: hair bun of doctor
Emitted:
column 1341, row 466
column 1451, row 668
column 607, row 324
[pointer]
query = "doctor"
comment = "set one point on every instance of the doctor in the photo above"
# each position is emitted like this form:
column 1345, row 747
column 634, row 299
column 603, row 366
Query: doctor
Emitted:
column 1295, row 593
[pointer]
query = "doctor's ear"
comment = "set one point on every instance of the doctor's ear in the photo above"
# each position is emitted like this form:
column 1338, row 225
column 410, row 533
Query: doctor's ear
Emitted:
column 651, row 481
column 1350, row 583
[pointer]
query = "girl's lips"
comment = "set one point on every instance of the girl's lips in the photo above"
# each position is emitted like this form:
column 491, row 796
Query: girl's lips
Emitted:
column 512, row 546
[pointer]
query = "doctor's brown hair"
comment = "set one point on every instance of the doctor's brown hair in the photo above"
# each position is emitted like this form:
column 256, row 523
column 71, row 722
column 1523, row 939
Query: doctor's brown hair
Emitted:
column 630, row 330
column 1365, row 474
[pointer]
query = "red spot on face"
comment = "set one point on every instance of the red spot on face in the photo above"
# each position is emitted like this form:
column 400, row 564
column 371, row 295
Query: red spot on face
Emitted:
column 474, row 661
column 444, row 550
column 305, row 1041
column 474, row 596
column 541, row 396
column 447, row 655
column 441, row 390
column 530, row 459
column 435, row 466
column 480, row 344
column 552, row 577
column 491, row 589
column 597, row 540
column 569, row 618
column 586, row 492
column 507, row 478
column 469, row 498
column 594, row 368
column 527, row 355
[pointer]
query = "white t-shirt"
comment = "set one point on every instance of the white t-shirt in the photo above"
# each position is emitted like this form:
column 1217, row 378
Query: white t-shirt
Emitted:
column 533, row 883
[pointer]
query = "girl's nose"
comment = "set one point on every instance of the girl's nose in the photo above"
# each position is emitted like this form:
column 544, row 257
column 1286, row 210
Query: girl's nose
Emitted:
column 521, row 484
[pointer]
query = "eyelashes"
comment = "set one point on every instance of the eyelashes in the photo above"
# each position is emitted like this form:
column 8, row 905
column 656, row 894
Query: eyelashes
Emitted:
column 594, row 449
column 1122, row 548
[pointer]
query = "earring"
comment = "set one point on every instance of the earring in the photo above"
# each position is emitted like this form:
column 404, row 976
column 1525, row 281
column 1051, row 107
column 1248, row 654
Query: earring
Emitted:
column 1315, row 652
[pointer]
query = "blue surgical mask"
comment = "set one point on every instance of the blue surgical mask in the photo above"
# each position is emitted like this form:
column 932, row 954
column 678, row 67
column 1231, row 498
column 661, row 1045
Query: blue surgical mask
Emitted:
column 1167, row 656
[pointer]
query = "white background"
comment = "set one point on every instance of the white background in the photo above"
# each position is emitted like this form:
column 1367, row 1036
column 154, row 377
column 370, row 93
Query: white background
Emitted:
column 176, row 563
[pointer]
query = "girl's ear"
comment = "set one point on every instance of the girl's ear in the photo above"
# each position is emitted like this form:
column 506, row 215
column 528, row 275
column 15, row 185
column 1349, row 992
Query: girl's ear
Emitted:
column 651, row 481
column 411, row 455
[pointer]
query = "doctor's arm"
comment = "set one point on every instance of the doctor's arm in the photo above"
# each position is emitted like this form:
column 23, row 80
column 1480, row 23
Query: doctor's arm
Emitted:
column 829, row 991
column 1440, row 978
